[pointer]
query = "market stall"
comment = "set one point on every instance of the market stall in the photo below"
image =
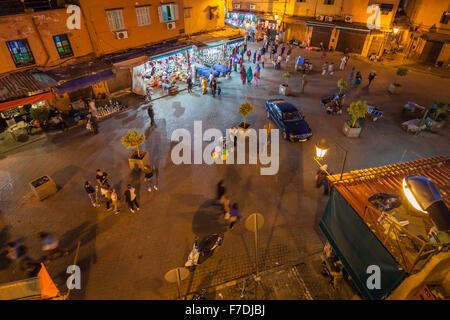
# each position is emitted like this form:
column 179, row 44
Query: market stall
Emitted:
column 163, row 74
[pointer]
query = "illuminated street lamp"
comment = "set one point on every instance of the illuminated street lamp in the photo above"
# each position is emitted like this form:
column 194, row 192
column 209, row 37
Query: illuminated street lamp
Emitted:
column 321, row 149
column 276, row 17
column 395, row 30
column 424, row 196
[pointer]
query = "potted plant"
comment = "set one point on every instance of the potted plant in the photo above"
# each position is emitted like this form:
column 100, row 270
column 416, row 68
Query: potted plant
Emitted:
column 357, row 110
column 43, row 187
column 40, row 114
column 284, row 87
column 395, row 88
column 138, row 159
column 244, row 110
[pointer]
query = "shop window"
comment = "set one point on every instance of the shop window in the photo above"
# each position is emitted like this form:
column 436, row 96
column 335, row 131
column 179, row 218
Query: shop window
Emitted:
column 445, row 17
column 168, row 12
column 143, row 16
column 328, row 2
column 20, row 52
column 63, row 46
column 115, row 19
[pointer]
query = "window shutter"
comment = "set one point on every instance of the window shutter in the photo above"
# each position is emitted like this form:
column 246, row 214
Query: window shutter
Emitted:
column 175, row 12
column 160, row 14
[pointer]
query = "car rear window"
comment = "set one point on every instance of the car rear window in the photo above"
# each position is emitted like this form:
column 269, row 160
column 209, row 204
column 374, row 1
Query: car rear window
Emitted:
column 292, row 116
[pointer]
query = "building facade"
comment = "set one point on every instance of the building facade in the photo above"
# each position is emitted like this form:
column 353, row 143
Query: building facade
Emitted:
column 427, row 32
column 357, row 26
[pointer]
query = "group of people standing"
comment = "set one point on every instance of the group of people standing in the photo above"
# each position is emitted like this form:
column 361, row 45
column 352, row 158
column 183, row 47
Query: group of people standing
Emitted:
column 213, row 84
column 109, row 195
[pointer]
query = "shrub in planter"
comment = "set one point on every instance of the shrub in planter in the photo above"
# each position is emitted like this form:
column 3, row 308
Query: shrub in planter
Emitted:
column 395, row 86
column 284, row 87
column 138, row 159
column 244, row 110
column 40, row 114
column 357, row 110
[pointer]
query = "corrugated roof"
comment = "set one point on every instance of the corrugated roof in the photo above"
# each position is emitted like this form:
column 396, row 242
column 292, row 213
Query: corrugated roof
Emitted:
column 358, row 186
column 407, row 244
column 23, row 83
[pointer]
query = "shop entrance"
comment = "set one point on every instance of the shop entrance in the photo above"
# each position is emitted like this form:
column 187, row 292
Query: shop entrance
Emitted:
column 85, row 93
column 431, row 52
column 162, row 75
column 321, row 34
column 351, row 40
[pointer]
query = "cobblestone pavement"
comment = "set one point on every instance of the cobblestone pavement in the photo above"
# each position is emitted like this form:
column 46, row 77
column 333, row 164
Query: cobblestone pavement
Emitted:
column 125, row 256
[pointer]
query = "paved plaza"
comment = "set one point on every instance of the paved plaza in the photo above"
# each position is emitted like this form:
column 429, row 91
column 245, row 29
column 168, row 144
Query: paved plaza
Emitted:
column 125, row 256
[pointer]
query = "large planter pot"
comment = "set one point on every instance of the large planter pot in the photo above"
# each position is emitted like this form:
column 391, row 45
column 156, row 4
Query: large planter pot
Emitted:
column 138, row 162
column 285, row 90
column 395, row 88
column 351, row 132
column 43, row 187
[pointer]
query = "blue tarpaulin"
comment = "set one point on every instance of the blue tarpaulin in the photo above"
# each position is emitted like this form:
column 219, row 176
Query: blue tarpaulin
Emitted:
column 221, row 68
column 84, row 82
column 205, row 71
column 358, row 248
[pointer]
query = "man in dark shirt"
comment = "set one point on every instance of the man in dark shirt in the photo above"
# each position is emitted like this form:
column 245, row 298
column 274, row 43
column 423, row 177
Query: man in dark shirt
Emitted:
column 221, row 190
column 102, row 178
column 151, row 114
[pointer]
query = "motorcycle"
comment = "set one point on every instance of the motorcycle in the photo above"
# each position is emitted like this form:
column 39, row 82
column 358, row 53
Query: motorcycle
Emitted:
column 203, row 249
column 333, row 104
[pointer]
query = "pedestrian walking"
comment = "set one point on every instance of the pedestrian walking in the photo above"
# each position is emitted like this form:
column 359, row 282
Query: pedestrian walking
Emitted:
column 321, row 46
column 243, row 75
column 324, row 54
column 211, row 76
column 204, row 85
column 304, row 83
column 131, row 198
column 50, row 245
column 221, row 190
column 219, row 90
column 115, row 201
column 256, row 76
column 254, row 57
column 213, row 87
column 343, row 63
column 225, row 201
column 151, row 114
column 189, row 84
column 372, row 75
column 249, row 75
column 358, row 78
column 233, row 215
column 330, row 69
column 92, row 193
column 102, row 178
column 249, row 54
column 324, row 68
column 283, row 48
column 150, row 178
column 262, row 61
column 287, row 59
column 351, row 75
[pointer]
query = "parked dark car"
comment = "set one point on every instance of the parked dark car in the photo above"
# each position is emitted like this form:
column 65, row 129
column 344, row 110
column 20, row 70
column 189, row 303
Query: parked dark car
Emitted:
column 289, row 120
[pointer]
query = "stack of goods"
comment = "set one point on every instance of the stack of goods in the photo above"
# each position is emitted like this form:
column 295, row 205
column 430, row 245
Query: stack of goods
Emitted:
column 171, row 69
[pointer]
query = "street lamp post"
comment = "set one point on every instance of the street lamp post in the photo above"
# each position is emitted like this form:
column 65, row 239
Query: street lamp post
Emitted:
column 321, row 150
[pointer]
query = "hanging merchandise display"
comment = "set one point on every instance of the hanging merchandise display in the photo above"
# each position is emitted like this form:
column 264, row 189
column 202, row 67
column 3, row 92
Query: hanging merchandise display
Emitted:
column 163, row 74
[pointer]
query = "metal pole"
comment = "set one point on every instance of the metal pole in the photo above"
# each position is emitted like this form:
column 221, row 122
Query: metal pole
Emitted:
column 256, row 245
column 178, row 283
column 343, row 165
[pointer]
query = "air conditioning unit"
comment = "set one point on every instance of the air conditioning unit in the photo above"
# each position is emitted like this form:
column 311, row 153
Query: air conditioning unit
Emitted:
column 122, row 35
column 252, row 7
column 237, row 6
column 320, row 17
column 171, row 26
column 348, row 19
column 328, row 18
